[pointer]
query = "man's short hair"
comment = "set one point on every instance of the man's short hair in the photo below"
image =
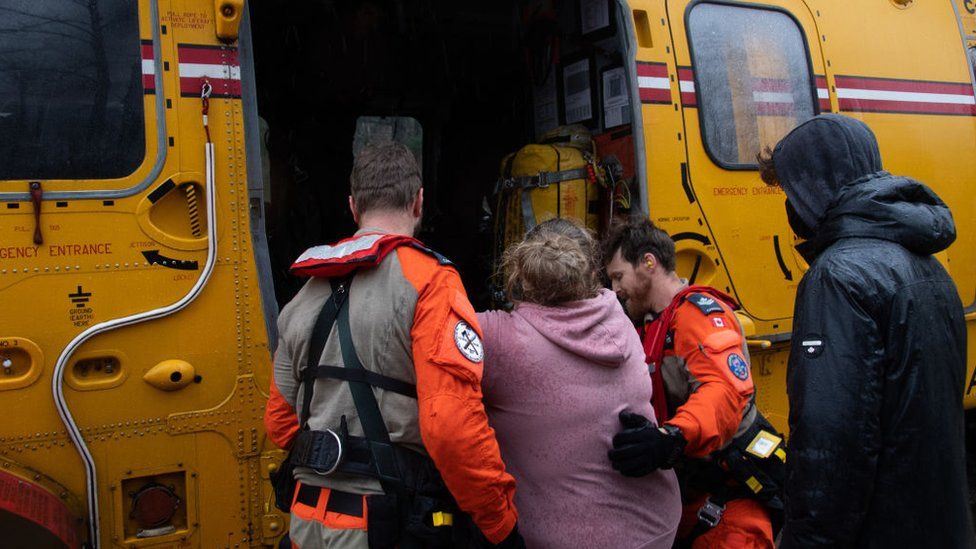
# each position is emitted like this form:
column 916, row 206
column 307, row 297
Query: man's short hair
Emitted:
column 384, row 177
column 636, row 238
column 767, row 169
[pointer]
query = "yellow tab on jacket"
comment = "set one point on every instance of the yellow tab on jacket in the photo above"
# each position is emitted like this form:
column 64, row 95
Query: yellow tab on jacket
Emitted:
column 440, row 518
column 764, row 444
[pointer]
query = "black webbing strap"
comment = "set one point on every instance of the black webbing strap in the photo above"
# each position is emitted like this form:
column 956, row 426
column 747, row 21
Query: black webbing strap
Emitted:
column 368, row 377
column 541, row 180
column 317, row 339
column 384, row 454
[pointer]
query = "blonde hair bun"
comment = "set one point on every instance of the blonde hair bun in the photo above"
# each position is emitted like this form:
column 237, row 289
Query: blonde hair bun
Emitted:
column 549, row 269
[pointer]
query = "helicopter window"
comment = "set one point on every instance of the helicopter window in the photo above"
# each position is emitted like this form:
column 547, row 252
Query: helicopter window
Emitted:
column 752, row 77
column 71, row 92
column 371, row 130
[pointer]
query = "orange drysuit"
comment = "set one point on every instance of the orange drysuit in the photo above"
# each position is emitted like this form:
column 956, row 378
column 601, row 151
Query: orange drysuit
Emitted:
column 703, row 365
column 411, row 320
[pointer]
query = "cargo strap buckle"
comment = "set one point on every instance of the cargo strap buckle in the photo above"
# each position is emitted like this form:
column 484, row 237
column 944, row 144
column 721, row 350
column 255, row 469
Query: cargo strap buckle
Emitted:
column 710, row 514
column 542, row 181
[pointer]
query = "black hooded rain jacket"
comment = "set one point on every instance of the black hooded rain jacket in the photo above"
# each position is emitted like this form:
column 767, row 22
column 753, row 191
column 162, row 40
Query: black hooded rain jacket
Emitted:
column 876, row 372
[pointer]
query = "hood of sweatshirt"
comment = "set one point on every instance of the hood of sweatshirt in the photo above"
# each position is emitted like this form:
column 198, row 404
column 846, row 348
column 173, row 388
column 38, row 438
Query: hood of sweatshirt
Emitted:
column 590, row 328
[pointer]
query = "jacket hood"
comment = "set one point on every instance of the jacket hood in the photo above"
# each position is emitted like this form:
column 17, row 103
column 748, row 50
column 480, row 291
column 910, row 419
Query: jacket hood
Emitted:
column 820, row 157
column 887, row 207
column 590, row 328
column 830, row 169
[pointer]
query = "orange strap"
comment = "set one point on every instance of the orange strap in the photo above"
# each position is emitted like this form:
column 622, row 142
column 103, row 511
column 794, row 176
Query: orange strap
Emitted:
column 325, row 509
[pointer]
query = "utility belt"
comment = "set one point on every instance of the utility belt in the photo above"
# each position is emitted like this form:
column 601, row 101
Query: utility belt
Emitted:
column 336, row 451
column 416, row 508
column 419, row 511
column 752, row 465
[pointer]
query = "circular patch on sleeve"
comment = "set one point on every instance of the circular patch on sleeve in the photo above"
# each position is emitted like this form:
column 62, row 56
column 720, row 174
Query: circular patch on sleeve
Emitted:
column 738, row 366
column 468, row 342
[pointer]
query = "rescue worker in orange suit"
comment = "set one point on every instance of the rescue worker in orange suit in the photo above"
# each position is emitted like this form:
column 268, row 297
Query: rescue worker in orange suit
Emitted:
column 389, row 439
column 703, row 395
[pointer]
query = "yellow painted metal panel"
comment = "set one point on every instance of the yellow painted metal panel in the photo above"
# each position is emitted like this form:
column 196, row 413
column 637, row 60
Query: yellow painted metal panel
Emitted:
column 105, row 260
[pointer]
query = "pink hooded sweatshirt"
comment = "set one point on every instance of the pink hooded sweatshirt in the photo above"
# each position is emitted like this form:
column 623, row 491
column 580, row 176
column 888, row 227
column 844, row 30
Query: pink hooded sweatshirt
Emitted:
column 555, row 379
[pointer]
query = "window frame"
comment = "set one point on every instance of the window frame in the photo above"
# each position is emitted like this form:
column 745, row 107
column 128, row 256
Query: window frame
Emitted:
column 700, row 99
column 155, row 159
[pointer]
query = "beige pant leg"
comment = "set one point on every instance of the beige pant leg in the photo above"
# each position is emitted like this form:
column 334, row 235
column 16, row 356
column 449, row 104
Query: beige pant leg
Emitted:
column 311, row 534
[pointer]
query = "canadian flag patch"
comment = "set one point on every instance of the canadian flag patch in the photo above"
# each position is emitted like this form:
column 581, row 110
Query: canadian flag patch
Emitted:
column 718, row 322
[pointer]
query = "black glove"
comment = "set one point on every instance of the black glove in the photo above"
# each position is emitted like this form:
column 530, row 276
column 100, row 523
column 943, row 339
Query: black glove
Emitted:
column 513, row 541
column 641, row 448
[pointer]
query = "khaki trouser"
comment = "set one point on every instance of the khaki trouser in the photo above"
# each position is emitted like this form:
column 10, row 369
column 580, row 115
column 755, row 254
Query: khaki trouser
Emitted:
column 321, row 519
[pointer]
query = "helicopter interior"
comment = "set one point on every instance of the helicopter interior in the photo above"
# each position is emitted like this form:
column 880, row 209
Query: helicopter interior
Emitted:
column 462, row 84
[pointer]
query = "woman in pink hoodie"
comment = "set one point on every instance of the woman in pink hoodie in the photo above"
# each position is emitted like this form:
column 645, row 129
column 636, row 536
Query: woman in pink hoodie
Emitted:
column 558, row 370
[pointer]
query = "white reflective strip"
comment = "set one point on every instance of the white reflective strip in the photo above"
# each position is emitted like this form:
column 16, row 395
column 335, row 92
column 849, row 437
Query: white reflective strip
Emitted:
column 687, row 86
column 910, row 97
column 200, row 70
column 361, row 243
column 772, row 97
column 148, row 66
column 822, row 93
column 813, row 343
column 654, row 82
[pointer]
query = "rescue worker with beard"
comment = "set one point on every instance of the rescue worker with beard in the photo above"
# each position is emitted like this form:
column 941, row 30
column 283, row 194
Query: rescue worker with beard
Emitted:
column 388, row 434
column 877, row 371
column 699, row 364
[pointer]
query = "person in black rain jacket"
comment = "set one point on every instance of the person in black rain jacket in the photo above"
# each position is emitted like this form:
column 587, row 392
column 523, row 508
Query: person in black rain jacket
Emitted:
column 878, row 363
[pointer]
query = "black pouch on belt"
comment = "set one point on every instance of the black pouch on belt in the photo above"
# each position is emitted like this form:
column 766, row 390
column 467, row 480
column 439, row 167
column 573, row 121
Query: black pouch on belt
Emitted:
column 283, row 482
column 431, row 520
column 383, row 521
column 757, row 459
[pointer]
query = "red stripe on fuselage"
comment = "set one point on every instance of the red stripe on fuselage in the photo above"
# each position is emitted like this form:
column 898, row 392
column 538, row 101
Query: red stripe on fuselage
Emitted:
column 208, row 56
column 913, row 86
column 905, row 107
column 658, row 70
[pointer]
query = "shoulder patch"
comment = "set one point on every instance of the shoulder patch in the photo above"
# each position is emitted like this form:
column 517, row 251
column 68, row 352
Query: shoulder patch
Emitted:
column 441, row 258
column 707, row 305
column 813, row 345
column 468, row 342
column 738, row 366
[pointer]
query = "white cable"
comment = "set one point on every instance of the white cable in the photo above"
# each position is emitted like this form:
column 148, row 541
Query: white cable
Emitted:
column 57, row 385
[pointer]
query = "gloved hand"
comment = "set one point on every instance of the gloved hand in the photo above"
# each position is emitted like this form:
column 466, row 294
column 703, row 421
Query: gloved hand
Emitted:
column 641, row 447
column 513, row 540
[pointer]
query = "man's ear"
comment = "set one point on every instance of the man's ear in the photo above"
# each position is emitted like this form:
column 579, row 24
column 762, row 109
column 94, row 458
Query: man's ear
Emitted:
column 418, row 204
column 352, row 208
column 649, row 261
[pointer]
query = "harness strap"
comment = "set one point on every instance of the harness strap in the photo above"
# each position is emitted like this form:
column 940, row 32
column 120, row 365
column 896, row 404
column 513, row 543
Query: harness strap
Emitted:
column 319, row 336
column 528, row 212
column 384, row 454
column 368, row 377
